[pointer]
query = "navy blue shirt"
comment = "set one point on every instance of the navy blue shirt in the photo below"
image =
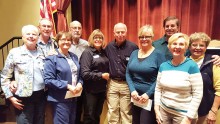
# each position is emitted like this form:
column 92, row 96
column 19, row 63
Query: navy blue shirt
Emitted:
column 118, row 58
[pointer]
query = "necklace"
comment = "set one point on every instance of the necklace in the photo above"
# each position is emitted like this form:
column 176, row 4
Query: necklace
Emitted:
column 144, row 54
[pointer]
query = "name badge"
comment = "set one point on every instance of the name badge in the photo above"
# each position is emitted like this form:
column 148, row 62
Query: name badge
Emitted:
column 96, row 56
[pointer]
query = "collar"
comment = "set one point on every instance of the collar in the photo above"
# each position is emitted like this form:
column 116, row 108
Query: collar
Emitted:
column 163, row 40
column 93, row 49
column 198, row 59
column 121, row 46
column 41, row 42
column 25, row 51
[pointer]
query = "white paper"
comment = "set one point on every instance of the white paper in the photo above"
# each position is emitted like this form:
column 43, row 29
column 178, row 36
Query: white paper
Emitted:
column 69, row 94
column 146, row 105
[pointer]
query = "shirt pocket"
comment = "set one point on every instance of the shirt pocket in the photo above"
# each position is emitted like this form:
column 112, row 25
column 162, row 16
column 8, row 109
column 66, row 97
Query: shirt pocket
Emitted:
column 21, row 66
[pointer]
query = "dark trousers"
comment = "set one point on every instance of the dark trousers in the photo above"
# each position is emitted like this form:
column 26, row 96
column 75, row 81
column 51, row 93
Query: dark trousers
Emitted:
column 93, row 104
column 79, row 106
column 142, row 116
column 64, row 112
column 33, row 110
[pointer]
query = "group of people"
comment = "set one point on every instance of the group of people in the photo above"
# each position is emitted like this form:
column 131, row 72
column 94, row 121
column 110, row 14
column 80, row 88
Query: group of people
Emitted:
column 173, row 76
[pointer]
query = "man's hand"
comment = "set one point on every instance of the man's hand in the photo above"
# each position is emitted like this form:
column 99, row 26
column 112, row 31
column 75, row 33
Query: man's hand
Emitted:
column 216, row 60
column 16, row 103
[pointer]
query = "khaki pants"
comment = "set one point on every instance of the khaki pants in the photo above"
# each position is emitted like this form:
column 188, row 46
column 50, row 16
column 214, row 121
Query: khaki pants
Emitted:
column 119, row 103
column 169, row 118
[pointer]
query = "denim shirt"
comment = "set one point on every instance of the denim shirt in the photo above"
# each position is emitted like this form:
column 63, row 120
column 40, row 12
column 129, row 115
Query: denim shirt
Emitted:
column 19, row 66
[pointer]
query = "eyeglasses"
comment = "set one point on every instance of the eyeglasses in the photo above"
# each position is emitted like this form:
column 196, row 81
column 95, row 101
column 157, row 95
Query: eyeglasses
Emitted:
column 65, row 40
column 145, row 37
column 198, row 45
column 98, row 37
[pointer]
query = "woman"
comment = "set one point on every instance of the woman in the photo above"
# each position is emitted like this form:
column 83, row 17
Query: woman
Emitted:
column 24, row 69
column 94, row 70
column 141, row 75
column 179, row 87
column 211, row 79
column 61, row 74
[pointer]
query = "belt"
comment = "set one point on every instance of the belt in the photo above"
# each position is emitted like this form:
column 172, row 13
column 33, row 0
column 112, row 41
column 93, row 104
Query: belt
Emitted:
column 118, row 79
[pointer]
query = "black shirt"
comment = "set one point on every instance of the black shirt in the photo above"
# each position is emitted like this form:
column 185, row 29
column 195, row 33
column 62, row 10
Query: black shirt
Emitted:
column 93, row 63
column 118, row 58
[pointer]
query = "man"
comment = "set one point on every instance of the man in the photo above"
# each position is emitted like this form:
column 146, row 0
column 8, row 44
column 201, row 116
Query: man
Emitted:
column 47, row 45
column 171, row 26
column 45, row 41
column 118, row 95
column 78, row 46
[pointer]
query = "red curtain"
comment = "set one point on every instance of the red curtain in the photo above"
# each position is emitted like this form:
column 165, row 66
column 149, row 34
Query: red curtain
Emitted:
column 195, row 16
column 61, row 22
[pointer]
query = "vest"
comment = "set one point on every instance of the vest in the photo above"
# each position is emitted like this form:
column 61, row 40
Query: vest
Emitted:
column 208, row 89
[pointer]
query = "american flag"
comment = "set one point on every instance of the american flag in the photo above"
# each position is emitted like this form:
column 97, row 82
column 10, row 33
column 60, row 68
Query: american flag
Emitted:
column 47, row 9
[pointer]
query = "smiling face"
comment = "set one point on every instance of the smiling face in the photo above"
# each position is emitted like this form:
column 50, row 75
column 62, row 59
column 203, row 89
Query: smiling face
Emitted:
column 76, row 29
column 120, row 33
column 171, row 27
column 30, row 36
column 64, row 41
column 197, row 48
column 145, row 35
column 45, row 27
column 98, row 41
column 178, row 47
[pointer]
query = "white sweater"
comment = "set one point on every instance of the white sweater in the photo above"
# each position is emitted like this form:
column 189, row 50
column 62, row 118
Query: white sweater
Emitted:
column 179, row 89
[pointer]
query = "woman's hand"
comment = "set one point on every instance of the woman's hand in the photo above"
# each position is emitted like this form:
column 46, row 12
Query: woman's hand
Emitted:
column 211, row 118
column 16, row 103
column 105, row 76
column 186, row 120
column 158, row 115
column 78, row 88
column 13, row 86
column 144, row 98
column 135, row 95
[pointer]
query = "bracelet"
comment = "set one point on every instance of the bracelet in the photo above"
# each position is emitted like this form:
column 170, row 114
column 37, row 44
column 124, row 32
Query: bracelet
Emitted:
column 213, row 111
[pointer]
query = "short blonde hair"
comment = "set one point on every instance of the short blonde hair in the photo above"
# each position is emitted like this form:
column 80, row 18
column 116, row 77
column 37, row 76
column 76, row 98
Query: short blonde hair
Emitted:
column 144, row 29
column 29, row 27
column 96, row 32
column 199, row 36
column 176, row 36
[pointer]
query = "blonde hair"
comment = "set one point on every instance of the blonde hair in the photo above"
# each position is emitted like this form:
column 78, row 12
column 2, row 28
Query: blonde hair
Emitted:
column 96, row 32
column 176, row 36
column 200, row 36
column 144, row 29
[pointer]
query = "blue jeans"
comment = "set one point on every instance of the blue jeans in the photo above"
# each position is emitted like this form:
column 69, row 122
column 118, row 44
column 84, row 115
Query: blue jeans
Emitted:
column 64, row 112
column 34, row 109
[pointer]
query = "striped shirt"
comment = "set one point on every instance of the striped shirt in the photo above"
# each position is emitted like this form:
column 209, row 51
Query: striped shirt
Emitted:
column 179, row 89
